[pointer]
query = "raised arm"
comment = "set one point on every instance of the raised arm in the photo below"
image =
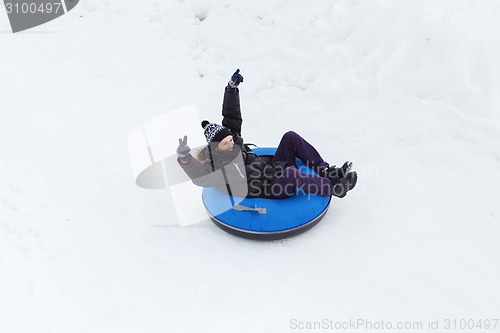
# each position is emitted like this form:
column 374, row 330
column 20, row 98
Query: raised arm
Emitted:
column 231, row 111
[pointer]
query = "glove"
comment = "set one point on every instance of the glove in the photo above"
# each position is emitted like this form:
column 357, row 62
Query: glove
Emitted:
column 236, row 79
column 183, row 149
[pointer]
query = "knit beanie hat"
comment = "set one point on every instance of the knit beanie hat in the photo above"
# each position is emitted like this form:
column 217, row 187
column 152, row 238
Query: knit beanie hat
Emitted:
column 214, row 132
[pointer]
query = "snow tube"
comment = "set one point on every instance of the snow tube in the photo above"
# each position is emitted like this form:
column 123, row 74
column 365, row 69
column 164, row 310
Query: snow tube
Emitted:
column 266, row 219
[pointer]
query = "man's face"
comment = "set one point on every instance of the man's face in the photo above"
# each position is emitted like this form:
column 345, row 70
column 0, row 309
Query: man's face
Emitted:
column 226, row 144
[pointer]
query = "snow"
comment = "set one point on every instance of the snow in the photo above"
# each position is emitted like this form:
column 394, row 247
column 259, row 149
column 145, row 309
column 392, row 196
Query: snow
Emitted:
column 408, row 90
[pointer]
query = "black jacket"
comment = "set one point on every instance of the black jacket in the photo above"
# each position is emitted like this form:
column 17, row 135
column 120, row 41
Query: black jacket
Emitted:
column 240, row 172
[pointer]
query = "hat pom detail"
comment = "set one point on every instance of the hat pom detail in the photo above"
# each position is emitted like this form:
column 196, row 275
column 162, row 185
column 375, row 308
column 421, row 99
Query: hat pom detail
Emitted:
column 204, row 123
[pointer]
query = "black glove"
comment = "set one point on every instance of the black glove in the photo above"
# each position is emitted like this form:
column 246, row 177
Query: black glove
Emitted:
column 183, row 149
column 236, row 79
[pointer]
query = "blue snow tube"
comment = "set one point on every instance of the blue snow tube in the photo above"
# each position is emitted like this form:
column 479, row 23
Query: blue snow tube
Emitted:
column 283, row 218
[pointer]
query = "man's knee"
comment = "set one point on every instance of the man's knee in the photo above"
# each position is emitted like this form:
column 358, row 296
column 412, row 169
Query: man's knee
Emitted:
column 290, row 135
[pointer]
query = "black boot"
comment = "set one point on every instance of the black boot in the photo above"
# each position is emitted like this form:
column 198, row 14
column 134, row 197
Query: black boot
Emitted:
column 333, row 172
column 342, row 185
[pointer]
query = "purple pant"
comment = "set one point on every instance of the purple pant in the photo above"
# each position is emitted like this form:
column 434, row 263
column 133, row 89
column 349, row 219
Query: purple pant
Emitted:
column 294, row 146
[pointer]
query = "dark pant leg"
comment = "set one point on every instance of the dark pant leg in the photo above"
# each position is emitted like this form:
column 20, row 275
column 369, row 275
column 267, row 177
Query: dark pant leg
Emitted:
column 292, row 178
column 293, row 145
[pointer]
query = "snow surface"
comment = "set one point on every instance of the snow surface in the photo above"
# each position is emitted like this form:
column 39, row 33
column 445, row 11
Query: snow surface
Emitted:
column 408, row 90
